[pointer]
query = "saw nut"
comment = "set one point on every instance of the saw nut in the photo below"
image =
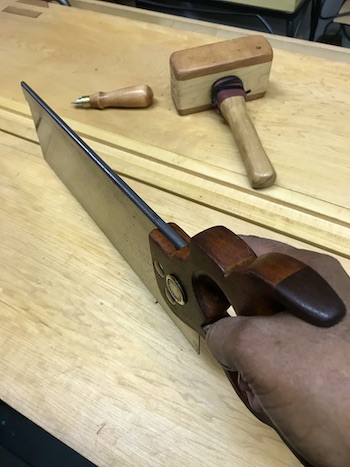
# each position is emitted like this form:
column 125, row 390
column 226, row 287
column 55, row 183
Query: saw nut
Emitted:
column 173, row 290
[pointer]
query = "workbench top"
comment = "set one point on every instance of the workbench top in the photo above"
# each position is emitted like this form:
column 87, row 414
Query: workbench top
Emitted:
column 86, row 352
column 302, row 121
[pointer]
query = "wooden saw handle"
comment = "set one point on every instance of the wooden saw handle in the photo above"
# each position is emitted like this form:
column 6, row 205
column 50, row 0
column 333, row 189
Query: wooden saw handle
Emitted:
column 260, row 171
column 218, row 269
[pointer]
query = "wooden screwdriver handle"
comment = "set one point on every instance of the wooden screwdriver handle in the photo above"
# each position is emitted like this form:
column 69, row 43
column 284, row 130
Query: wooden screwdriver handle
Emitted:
column 260, row 171
column 131, row 97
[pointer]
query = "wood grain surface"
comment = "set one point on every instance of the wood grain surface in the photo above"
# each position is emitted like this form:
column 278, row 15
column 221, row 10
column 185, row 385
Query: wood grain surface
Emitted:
column 85, row 351
column 301, row 121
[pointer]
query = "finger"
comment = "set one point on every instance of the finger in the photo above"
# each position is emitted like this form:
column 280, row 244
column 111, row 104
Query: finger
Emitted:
column 252, row 398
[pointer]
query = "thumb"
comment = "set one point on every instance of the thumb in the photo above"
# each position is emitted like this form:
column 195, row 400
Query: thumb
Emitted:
column 229, row 341
column 258, row 349
column 224, row 340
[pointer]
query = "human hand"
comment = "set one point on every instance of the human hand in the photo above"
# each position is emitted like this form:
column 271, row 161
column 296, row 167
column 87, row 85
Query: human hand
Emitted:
column 293, row 373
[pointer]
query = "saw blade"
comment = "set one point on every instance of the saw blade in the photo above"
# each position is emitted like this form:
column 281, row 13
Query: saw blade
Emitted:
column 120, row 213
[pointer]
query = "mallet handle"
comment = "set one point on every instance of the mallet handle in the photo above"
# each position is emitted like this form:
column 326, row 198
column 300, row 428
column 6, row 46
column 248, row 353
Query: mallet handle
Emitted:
column 260, row 171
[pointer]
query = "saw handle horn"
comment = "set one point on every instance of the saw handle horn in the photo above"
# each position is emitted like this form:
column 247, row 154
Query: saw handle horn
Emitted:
column 229, row 98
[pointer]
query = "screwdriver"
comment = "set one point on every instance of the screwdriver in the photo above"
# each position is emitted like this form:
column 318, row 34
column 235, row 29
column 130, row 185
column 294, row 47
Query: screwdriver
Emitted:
column 131, row 97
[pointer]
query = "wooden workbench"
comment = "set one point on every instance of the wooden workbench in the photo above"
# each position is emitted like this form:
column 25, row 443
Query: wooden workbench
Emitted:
column 85, row 351
column 302, row 121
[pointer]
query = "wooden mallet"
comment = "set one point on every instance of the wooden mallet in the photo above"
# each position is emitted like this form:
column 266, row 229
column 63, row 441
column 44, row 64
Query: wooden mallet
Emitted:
column 225, row 75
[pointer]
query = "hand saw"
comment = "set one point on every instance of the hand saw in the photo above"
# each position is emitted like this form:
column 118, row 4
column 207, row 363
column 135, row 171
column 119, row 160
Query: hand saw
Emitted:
column 195, row 279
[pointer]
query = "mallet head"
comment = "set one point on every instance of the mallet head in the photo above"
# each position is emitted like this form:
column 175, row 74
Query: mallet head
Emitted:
column 194, row 71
